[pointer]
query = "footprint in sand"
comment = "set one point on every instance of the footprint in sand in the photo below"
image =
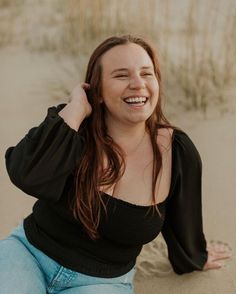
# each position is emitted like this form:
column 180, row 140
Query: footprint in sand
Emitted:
column 153, row 260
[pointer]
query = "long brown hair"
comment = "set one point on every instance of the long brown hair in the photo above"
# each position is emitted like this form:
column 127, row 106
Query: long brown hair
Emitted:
column 91, row 172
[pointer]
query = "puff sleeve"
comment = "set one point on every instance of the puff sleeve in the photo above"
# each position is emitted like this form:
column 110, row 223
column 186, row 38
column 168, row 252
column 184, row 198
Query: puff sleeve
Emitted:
column 183, row 227
column 41, row 162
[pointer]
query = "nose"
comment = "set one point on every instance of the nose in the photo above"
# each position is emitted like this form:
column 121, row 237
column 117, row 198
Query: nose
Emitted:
column 136, row 82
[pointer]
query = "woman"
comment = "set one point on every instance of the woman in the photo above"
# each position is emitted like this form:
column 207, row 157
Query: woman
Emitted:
column 110, row 173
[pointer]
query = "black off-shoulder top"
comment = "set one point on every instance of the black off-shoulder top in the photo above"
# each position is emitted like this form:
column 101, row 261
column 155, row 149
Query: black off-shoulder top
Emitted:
column 42, row 165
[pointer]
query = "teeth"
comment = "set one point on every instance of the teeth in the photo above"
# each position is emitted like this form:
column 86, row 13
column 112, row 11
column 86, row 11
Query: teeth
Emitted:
column 136, row 99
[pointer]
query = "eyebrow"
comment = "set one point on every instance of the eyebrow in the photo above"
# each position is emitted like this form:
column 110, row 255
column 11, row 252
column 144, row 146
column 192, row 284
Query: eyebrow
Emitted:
column 126, row 69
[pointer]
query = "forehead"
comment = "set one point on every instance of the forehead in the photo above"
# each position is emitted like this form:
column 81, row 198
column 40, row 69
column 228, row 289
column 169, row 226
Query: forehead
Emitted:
column 129, row 56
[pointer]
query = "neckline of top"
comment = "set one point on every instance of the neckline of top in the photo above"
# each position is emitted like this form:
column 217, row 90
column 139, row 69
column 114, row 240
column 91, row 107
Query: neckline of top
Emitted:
column 127, row 203
column 159, row 204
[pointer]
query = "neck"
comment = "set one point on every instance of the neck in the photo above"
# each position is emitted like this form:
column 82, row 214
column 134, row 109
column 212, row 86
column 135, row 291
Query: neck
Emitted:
column 128, row 137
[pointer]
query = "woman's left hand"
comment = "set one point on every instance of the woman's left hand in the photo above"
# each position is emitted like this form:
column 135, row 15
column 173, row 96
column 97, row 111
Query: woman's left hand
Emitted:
column 217, row 251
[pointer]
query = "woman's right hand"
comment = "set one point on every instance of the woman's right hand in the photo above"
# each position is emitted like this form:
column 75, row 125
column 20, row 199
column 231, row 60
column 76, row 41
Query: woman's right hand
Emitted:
column 79, row 97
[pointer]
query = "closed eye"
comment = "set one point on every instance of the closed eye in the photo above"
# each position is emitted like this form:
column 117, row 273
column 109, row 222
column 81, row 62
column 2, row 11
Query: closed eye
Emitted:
column 147, row 74
column 124, row 76
column 121, row 76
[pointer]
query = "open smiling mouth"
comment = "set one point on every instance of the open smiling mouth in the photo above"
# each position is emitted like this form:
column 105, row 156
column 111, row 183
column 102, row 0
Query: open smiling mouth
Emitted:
column 136, row 101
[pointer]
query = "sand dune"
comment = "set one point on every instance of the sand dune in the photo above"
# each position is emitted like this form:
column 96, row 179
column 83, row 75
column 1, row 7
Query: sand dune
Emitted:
column 215, row 138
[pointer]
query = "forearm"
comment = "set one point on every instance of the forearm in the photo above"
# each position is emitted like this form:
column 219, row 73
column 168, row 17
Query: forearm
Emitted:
column 41, row 162
column 73, row 114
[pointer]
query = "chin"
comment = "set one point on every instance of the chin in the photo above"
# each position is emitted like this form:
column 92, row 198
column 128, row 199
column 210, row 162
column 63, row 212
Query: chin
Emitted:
column 136, row 120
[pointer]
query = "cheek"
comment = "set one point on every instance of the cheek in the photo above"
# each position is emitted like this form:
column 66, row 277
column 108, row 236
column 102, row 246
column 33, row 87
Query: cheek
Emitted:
column 156, row 85
column 109, row 90
column 155, row 89
column 112, row 95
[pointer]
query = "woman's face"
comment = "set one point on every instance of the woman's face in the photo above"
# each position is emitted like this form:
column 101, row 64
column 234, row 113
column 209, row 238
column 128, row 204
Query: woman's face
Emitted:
column 130, row 88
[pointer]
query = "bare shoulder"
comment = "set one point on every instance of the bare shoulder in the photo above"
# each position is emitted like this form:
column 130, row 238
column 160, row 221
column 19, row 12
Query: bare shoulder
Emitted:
column 164, row 139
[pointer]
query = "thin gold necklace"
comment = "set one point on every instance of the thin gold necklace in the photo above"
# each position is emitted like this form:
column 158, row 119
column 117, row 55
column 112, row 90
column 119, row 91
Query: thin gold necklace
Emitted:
column 136, row 148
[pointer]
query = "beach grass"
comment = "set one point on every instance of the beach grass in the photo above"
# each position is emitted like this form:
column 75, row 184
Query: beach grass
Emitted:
column 196, row 49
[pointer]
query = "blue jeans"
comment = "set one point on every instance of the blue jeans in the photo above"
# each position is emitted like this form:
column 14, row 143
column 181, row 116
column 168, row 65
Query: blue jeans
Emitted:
column 26, row 270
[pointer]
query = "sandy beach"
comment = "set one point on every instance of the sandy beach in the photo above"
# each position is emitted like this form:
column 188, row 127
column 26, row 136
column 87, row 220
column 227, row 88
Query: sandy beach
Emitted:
column 215, row 138
column 24, row 102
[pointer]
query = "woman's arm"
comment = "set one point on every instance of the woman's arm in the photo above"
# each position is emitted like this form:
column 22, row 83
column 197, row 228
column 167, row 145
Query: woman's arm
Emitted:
column 42, row 161
column 183, row 227
column 78, row 109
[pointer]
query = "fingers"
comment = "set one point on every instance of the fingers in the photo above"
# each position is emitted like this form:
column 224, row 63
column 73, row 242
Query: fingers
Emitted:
column 213, row 265
column 219, row 256
column 214, row 255
column 85, row 86
column 217, row 252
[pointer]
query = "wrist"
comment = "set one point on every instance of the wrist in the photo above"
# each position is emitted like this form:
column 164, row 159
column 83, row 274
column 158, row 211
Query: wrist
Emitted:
column 73, row 115
column 78, row 109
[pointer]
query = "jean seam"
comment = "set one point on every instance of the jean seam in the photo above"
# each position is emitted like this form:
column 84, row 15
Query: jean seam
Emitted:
column 56, row 278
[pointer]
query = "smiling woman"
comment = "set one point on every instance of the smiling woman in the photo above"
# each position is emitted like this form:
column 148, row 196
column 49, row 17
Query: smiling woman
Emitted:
column 109, row 173
column 130, row 85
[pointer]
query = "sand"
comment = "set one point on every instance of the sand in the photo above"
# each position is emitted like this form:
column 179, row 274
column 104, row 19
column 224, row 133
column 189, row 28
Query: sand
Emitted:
column 25, row 98
column 24, row 102
column 216, row 142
